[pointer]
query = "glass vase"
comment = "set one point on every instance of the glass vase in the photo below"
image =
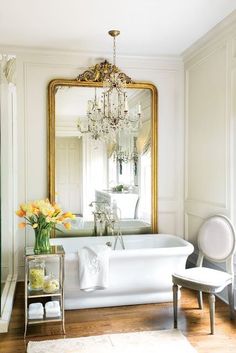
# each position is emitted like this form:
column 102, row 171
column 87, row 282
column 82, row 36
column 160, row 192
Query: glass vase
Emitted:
column 36, row 274
column 51, row 284
column 42, row 241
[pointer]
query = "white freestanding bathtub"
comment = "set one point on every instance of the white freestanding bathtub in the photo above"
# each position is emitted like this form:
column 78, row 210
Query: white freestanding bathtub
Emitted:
column 139, row 274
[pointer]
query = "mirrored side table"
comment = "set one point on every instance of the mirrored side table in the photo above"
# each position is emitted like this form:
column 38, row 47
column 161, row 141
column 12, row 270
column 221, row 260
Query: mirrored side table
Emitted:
column 32, row 295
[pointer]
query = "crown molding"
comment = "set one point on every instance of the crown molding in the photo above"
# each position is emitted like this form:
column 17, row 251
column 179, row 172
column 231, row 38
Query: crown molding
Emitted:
column 135, row 62
column 216, row 34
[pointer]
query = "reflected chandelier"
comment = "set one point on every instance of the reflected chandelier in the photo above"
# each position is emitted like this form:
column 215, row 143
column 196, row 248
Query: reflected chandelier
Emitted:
column 121, row 156
column 109, row 113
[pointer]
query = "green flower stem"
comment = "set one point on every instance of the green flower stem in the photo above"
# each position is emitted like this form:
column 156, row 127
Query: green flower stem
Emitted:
column 42, row 240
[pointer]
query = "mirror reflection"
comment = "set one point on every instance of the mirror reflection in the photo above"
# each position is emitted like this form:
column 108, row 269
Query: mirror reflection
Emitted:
column 100, row 172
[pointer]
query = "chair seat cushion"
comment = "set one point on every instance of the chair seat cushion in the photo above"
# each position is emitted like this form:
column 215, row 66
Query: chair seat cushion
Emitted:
column 203, row 279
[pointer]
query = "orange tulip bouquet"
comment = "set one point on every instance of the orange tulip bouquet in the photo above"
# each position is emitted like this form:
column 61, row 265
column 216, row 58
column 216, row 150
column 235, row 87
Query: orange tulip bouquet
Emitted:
column 43, row 217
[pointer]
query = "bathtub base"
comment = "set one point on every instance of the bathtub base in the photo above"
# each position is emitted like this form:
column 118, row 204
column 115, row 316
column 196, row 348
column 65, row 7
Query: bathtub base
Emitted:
column 117, row 300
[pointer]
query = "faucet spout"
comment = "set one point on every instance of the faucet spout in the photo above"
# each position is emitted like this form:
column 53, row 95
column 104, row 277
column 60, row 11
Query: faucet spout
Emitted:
column 100, row 215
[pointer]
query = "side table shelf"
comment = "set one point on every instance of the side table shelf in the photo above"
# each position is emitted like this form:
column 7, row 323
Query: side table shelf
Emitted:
column 56, row 251
column 40, row 293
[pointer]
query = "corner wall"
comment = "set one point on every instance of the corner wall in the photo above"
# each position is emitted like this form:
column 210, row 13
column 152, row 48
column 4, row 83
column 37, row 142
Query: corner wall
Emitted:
column 210, row 127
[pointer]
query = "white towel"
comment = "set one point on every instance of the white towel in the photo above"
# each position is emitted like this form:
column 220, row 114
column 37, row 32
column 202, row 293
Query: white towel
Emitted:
column 35, row 316
column 36, row 307
column 56, row 314
column 52, row 304
column 52, row 309
column 35, row 311
column 94, row 267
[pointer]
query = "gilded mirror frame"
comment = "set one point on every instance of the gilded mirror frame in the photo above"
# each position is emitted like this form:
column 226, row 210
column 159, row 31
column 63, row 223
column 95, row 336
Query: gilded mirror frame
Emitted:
column 52, row 89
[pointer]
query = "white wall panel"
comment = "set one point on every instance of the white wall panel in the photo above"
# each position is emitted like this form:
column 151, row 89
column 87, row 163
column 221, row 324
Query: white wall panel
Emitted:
column 207, row 130
column 168, row 125
column 192, row 223
column 207, row 149
column 167, row 222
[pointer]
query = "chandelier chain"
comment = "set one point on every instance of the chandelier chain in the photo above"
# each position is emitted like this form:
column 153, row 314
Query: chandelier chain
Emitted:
column 114, row 51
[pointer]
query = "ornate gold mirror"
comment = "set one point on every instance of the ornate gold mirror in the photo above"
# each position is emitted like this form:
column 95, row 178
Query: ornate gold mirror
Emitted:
column 100, row 166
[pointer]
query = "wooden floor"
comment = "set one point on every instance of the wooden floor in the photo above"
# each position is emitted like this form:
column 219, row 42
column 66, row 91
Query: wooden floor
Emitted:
column 194, row 324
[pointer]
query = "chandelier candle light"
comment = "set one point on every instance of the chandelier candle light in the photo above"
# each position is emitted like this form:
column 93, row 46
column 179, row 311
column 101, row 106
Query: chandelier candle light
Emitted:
column 109, row 114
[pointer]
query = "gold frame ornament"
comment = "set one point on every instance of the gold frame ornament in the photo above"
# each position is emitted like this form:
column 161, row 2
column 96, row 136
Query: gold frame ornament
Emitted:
column 93, row 77
column 100, row 72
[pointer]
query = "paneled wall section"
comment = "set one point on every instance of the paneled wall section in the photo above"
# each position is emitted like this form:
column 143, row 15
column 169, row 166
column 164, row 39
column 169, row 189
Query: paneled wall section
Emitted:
column 210, row 129
column 35, row 70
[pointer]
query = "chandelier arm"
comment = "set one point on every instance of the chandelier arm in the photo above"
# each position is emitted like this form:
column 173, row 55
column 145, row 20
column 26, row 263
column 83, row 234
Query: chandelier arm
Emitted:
column 119, row 89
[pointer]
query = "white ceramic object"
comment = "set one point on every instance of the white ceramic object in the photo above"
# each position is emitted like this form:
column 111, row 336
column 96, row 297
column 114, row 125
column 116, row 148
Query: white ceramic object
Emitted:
column 139, row 274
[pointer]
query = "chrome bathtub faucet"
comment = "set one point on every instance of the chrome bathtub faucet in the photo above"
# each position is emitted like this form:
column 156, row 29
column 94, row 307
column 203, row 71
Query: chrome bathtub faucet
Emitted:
column 106, row 217
column 102, row 217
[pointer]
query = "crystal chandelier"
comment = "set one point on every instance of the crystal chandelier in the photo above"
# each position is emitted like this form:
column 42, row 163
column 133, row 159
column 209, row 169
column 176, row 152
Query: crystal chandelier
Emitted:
column 109, row 114
column 121, row 156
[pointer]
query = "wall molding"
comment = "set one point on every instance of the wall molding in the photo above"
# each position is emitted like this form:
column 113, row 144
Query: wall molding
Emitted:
column 204, row 55
column 7, row 299
column 196, row 63
column 85, row 59
column 206, row 203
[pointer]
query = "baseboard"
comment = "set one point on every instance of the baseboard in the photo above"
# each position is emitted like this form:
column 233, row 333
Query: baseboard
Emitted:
column 8, row 298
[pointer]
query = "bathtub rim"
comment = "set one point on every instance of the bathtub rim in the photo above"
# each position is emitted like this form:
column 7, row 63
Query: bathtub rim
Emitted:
column 184, row 246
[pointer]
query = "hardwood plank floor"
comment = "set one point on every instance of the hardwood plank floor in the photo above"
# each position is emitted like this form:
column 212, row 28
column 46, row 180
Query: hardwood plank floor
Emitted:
column 194, row 324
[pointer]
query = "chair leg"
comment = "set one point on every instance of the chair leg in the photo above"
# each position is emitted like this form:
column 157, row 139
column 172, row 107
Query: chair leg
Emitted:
column 200, row 301
column 175, row 304
column 231, row 300
column 212, row 312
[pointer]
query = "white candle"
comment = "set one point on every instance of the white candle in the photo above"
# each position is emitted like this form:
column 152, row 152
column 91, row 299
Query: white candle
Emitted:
column 139, row 108
column 126, row 105
column 99, row 104
column 90, row 105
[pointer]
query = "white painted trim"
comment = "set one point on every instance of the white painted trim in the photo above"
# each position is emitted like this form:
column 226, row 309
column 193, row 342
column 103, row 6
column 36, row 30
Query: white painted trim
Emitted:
column 180, row 152
column 83, row 60
column 207, row 203
column 9, row 208
column 204, row 209
column 8, row 297
column 5, row 291
column 102, row 55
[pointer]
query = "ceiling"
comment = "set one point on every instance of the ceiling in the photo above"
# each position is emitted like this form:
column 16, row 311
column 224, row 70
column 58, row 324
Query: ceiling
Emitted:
column 148, row 27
